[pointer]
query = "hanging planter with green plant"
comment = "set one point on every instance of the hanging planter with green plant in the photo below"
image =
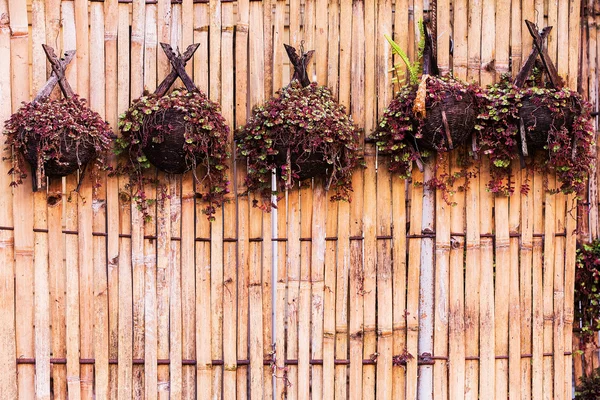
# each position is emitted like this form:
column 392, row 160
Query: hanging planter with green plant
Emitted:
column 527, row 116
column 55, row 136
column 175, row 132
column 301, row 133
column 429, row 113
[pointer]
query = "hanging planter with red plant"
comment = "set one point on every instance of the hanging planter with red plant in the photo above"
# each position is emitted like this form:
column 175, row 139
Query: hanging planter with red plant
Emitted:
column 176, row 133
column 529, row 115
column 301, row 133
column 431, row 113
column 55, row 136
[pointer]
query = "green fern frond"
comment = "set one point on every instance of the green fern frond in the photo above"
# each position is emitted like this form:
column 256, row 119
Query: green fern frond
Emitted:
column 413, row 68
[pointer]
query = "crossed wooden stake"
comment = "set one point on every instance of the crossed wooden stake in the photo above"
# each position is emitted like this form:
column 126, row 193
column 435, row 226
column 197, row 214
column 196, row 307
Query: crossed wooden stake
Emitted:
column 178, row 62
column 300, row 63
column 59, row 66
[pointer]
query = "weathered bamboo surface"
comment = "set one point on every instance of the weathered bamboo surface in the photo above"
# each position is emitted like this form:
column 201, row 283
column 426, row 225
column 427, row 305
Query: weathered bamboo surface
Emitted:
column 317, row 299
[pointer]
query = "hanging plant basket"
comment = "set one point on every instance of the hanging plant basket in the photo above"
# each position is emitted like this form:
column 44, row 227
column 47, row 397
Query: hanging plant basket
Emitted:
column 56, row 136
column 301, row 133
column 530, row 115
column 430, row 113
column 176, row 133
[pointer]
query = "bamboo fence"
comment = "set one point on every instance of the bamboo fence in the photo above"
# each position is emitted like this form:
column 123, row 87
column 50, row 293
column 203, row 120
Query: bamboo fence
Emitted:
column 396, row 295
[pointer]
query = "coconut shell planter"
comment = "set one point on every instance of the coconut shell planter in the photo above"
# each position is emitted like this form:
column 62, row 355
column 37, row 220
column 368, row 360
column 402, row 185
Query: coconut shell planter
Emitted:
column 56, row 137
column 301, row 133
column 534, row 115
column 176, row 132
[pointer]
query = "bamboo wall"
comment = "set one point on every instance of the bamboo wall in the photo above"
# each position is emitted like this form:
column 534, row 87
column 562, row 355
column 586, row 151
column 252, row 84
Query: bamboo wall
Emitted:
column 317, row 299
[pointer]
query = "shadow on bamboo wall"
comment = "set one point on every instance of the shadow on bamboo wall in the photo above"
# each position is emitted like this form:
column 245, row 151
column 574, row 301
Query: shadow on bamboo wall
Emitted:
column 396, row 294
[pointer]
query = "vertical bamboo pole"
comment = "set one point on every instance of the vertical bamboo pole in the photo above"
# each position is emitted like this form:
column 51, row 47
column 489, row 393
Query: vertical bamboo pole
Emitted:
column 460, row 58
column 241, row 106
column 229, row 213
column 592, row 94
column 362, row 322
column 111, row 22
column 40, row 225
column 8, row 379
column 537, row 297
column 279, row 34
column 528, row 12
column 329, row 300
column 100, row 283
column 412, row 297
column 474, row 42
column 345, row 50
column 138, row 20
column 548, row 286
column 176, row 290
column 267, row 301
column 399, row 249
column 293, row 268
column 268, row 47
column 341, row 306
column 201, row 57
column 304, row 294
column 552, row 11
column 321, row 31
column 23, row 204
column 163, row 286
column 384, row 283
column 525, row 277
column 333, row 46
column 256, row 88
column 125, row 312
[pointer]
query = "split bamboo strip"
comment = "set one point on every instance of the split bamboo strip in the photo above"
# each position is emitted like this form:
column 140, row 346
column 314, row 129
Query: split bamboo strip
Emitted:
column 164, row 276
column 456, row 295
column 399, row 217
column 329, row 301
column 229, row 213
column 474, row 42
column 487, row 319
column 516, row 45
column 360, row 264
column 163, row 18
column 256, row 87
column 100, row 318
column 570, row 265
column 214, row 55
column 186, row 208
column 187, row 29
column 460, row 58
column 575, row 32
column 515, row 371
column 362, row 321
column 317, row 262
column 552, row 13
column 293, row 269
column 22, row 206
column 40, row 224
column 559, row 298
column 204, row 321
column 367, row 57
column 267, row 6
column 591, row 85
column 442, row 281
column 176, row 38
column 279, row 368
column 241, row 105
column 304, row 296
column 8, row 379
column 528, row 13
column 415, row 39
column 176, row 289
column 243, row 272
column 341, row 305
column 537, row 284
column 384, row 286
column 294, row 25
column 267, row 301
column 472, row 282
column 151, row 387
column 74, row 386
column 125, row 286
column 345, row 51
column 321, row 30
column 525, row 277
column 333, row 46
column 548, row 285
column 503, row 298
column 412, row 298
column 138, row 20
column 279, row 39
column 201, row 58
column 111, row 20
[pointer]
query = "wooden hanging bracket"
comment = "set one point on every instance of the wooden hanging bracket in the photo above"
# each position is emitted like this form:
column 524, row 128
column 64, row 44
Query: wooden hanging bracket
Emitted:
column 538, row 50
column 300, row 63
column 58, row 74
column 178, row 62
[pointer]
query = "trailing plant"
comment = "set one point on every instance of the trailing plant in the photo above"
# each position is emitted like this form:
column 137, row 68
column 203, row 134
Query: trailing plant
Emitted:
column 56, row 137
column 569, row 143
column 152, row 119
column 589, row 388
column 587, row 289
column 300, row 133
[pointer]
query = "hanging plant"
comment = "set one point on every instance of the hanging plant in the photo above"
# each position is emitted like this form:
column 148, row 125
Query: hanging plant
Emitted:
column 56, row 137
column 587, row 290
column 176, row 133
column 528, row 115
column 428, row 114
column 301, row 133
